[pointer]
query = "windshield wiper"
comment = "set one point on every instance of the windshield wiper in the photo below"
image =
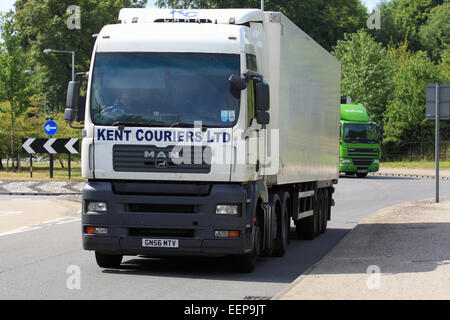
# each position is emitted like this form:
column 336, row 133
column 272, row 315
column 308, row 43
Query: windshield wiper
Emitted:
column 122, row 124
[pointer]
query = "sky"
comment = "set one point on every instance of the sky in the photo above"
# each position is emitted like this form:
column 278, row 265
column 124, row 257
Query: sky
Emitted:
column 6, row 5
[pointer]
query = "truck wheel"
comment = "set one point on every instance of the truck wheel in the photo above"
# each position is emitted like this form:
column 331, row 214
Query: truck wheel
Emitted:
column 326, row 208
column 108, row 260
column 283, row 226
column 246, row 263
column 361, row 175
column 271, row 237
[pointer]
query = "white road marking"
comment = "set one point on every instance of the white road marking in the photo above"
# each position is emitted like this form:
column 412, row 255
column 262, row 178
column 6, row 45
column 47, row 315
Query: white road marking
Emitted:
column 9, row 213
column 74, row 220
column 18, row 231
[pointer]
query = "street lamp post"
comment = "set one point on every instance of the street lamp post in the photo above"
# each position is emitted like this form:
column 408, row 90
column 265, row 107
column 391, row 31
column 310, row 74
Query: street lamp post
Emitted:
column 73, row 59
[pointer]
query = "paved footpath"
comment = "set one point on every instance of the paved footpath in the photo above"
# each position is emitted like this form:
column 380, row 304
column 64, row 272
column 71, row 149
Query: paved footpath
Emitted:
column 30, row 187
column 400, row 252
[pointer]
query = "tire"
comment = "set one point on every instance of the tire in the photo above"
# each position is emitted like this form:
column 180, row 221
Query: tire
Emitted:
column 108, row 260
column 361, row 175
column 246, row 263
column 283, row 226
column 326, row 210
column 275, row 203
column 318, row 212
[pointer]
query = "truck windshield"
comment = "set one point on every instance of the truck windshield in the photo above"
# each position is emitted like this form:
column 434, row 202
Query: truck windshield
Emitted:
column 360, row 133
column 164, row 89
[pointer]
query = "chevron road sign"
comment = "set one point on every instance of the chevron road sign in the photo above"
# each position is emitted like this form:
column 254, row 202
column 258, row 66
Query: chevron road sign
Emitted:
column 52, row 146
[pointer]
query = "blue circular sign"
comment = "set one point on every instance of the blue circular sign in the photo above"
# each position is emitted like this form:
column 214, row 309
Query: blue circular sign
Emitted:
column 50, row 127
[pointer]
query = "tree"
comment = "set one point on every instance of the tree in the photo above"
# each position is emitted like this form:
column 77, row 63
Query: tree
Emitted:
column 43, row 24
column 14, row 86
column 435, row 34
column 445, row 64
column 325, row 21
column 366, row 72
column 405, row 114
column 401, row 21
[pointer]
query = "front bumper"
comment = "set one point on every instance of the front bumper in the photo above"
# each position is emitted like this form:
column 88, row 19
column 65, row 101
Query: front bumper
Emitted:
column 353, row 168
column 190, row 219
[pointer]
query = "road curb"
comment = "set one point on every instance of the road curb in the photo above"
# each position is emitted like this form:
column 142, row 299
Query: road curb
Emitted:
column 413, row 176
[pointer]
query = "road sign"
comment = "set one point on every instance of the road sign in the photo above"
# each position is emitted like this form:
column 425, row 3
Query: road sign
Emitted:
column 50, row 127
column 438, row 108
column 443, row 99
column 52, row 146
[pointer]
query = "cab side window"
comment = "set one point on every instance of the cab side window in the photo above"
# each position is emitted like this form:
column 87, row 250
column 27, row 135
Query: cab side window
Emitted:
column 251, row 101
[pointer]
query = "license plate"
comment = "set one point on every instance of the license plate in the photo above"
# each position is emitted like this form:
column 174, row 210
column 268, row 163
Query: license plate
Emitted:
column 160, row 243
column 362, row 170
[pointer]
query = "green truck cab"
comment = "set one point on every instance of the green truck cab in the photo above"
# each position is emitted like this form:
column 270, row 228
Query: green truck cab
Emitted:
column 359, row 142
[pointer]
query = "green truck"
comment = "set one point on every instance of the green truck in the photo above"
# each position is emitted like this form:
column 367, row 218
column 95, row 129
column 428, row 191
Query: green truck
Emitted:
column 359, row 142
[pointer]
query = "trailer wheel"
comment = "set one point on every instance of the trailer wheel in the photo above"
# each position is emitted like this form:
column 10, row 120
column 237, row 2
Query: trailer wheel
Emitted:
column 325, row 212
column 318, row 212
column 108, row 260
column 283, row 226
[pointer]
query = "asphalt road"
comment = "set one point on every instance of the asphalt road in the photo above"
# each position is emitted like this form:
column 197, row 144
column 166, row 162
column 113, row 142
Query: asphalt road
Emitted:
column 46, row 261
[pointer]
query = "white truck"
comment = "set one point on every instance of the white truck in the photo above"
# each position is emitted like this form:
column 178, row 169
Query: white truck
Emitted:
column 206, row 132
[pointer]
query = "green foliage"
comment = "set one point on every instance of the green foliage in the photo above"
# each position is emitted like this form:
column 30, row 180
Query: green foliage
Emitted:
column 14, row 87
column 435, row 34
column 405, row 113
column 401, row 21
column 445, row 64
column 325, row 21
column 366, row 72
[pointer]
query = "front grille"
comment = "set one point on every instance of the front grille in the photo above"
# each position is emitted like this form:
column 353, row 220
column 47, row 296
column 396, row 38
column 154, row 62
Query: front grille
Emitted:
column 149, row 232
column 362, row 162
column 161, row 208
column 362, row 152
column 142, row 158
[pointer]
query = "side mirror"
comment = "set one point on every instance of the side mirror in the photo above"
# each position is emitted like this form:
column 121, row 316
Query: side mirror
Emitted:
column 73, row 95
column 70, row 114
column 263, row 117
column 262, row 95
column 238, row 82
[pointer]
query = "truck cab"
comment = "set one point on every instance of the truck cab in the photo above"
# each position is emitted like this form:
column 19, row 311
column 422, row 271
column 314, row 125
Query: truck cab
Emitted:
column 359, row 142
column 197, row 135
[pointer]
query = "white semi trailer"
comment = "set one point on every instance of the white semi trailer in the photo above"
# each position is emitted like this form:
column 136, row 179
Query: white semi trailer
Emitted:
column 206, row 132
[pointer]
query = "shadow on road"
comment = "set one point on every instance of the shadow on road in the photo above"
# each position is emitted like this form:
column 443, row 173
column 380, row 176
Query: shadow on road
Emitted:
column 298, row 258
column 377, row 178
column 392, row 248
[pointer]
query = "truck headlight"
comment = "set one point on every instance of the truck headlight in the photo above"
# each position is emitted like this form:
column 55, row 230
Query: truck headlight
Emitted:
column 227, row 209
column 346, row 160
column 97, row 206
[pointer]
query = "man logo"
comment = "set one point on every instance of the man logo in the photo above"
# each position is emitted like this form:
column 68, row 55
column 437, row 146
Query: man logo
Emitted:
column 161, row 154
